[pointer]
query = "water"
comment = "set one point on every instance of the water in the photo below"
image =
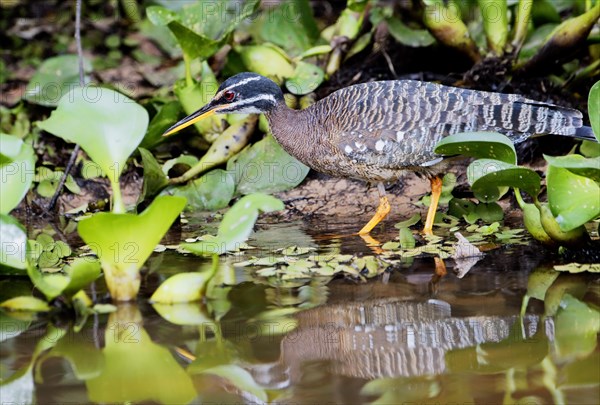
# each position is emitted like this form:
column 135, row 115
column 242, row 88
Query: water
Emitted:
column 406, row 336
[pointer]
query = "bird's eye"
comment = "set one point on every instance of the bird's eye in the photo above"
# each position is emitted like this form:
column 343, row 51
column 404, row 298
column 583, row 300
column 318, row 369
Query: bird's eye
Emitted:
column 229, row 95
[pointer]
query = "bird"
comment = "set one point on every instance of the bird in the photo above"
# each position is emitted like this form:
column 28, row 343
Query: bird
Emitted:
column 378, row 130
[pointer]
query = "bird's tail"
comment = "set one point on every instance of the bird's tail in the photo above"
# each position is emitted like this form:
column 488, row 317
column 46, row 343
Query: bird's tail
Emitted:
column 585, row 133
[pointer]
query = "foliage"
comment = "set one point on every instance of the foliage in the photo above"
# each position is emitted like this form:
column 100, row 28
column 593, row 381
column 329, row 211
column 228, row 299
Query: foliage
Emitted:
column 572, row 198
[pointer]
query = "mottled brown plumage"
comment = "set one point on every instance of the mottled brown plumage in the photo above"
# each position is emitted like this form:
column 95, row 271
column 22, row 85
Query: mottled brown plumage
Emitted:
column 375, row 131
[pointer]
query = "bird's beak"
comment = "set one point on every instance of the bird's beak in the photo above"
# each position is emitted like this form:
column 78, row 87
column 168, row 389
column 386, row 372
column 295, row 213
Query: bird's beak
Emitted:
column 202, row 113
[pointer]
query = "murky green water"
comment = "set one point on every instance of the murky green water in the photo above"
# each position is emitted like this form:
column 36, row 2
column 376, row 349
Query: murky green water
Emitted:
column 406, row 336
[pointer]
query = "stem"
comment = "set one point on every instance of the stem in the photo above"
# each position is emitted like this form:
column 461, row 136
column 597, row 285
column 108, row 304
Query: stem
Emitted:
column 75, row 151
column 117, row 199
column 188, row 70
column 521, row 24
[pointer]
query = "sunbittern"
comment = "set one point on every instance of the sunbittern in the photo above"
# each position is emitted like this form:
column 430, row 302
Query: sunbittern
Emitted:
column 375, row 131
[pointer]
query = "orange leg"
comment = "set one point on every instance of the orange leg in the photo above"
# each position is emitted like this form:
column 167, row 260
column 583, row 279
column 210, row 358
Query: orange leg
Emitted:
column 382, row 210
column 436, row 191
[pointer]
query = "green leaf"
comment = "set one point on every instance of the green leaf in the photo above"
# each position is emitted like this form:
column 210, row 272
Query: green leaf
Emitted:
column 488, row 176
column 17, row 163
column 265, row 167
column 154, row 178
column 210, row 192
column 239, row 378
column 164, row 118
column 138, row 370
column 489, row 145
column 182, row 287
column 107, row 125
column 590, row 149
column 123, row 242
column 540, row 279
column 407, row 240
column 237, row 224
column 587, row 167
column 408, row 36
column 81, row 272
column 578, row 267
column 46, row 188
column 267, row 60
column 13, row 243
column 576, row 328
column 295, row 34
column 306, row 78
column 31, row 304
column 409, row 222
column 573, row 199
column 594, row 109
column 53, row 79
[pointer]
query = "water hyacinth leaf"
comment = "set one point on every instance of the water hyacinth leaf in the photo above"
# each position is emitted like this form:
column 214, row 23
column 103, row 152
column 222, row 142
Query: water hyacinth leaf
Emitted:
column 268, row 61
column 407, row 240
column 30, row 304
column 123, row 242
column 107, row 125
column 239, row 378
column 495, row 23
column 295, row 34
column 85, row 359
column 589, row 149
column 237, row 224
column 17, row 163
column 138, row 370
column 306, row 78
column 265, row 167
column 573, row 199
column 409, row 222
column 594, row 109
column 81, row 272
column 183, row 313
column 164, row 118
column 587, row 167
column 490, row 178
column 578, row 267
column 154, row 178
column 482, row 145
column 577, row 326
column 53, row 79
column 408, row 36
column 13, row 244
column 182, row 287
column 210, row 192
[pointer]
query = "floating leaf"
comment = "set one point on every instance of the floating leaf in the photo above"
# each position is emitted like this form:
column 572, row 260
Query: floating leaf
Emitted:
column 107, row 125
column 237, row 224
column 54, row 78
column 578, row 267
column 482, row 145
column 182, row 287
column 409, row 222
column 210, row 192
column 13, row 244
column 81, row 272
column 407, row 240
column 586, row 167
column 123, row 242
column 265, row 167
column 30, row 304
column 17, row 163
column 573, row 199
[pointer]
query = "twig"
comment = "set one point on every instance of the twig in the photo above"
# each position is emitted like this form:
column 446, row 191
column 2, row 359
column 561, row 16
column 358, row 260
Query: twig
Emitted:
column 75, row 151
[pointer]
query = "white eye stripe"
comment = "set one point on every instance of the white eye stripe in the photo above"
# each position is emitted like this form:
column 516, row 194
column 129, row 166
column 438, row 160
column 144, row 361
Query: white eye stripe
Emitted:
column 241, row 83
column 242, row 103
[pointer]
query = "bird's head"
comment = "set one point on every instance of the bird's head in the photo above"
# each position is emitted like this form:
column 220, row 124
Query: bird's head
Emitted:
column 244, row 93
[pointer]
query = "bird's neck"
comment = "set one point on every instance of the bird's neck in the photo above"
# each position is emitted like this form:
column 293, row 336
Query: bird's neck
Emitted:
column 292, row 130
